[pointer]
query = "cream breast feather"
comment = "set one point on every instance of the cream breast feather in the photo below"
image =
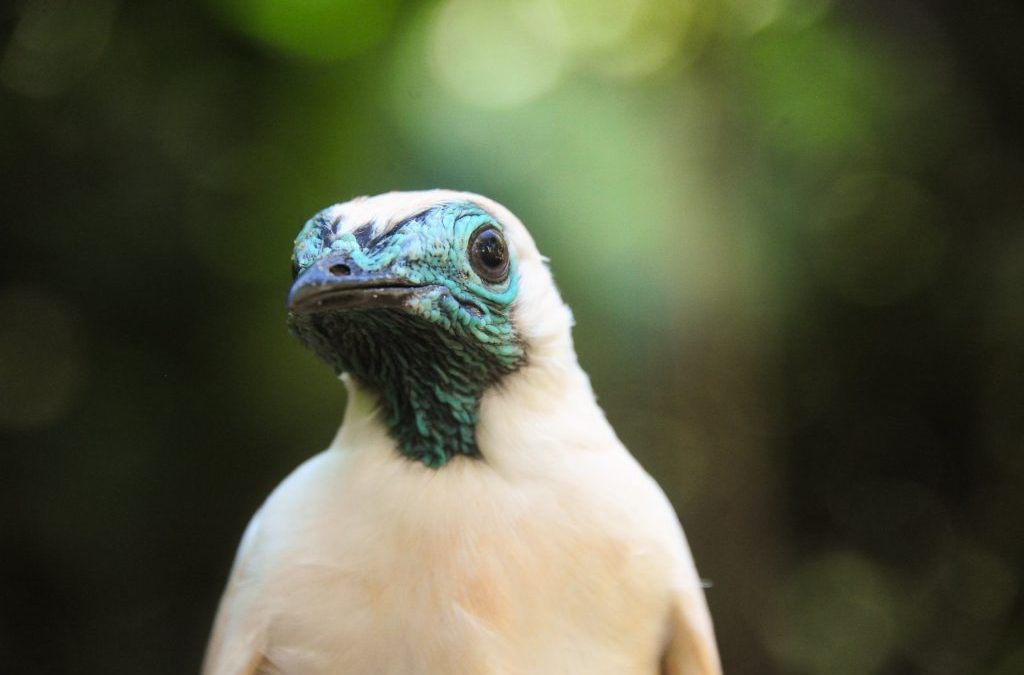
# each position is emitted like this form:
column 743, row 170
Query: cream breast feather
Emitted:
column 475, row 513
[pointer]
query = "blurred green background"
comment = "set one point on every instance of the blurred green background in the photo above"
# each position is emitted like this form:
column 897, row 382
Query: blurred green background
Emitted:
column 791, row 232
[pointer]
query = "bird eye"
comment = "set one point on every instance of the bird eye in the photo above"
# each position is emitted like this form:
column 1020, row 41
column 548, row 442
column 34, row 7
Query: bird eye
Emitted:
column 488, row 254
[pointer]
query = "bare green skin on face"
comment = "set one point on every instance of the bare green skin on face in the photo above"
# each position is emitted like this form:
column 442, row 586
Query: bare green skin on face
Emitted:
column 438, row 344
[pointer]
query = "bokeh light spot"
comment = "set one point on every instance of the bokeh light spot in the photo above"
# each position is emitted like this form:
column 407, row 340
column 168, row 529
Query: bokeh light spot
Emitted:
column 494, row 54
column 649, row 34
column 836, row 615
column 755, row 15
column 596, row 24
column 40, row 359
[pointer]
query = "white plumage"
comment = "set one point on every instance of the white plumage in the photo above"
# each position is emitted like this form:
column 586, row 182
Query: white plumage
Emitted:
column 553, row 554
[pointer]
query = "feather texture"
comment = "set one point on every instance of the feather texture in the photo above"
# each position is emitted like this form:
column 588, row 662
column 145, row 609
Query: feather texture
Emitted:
column 553, row 552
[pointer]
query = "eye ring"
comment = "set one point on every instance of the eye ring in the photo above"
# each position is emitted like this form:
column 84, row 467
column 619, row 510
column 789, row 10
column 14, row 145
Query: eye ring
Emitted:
column 488, row 254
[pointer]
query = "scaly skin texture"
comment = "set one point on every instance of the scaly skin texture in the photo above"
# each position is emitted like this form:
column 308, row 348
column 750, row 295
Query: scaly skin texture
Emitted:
column 431, row 359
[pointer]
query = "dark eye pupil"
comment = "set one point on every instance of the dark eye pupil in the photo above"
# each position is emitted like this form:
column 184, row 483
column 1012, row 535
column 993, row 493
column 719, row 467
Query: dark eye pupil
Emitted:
column 489, row 255
column 490, row 250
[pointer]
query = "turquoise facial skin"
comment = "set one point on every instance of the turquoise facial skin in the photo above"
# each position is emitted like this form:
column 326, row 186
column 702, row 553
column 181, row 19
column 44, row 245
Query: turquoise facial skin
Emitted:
column 432, row 358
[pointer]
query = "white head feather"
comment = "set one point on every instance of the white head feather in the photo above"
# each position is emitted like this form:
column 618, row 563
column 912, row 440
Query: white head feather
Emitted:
column 539, row 315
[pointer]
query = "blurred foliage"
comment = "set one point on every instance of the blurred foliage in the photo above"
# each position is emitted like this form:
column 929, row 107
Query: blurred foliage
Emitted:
column 791, row 232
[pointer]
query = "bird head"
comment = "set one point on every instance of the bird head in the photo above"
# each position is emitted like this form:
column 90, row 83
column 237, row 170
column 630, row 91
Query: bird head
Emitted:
column 429, row 298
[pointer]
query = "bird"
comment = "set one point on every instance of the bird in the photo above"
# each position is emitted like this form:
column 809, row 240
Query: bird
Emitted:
column 476, row 512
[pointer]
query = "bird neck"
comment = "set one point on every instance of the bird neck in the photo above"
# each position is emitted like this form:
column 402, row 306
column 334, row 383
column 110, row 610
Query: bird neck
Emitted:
column 427, row 381
column 522, row 426
column 543, row 418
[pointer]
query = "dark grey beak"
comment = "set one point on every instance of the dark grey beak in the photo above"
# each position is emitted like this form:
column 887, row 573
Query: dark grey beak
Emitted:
column 337, row 283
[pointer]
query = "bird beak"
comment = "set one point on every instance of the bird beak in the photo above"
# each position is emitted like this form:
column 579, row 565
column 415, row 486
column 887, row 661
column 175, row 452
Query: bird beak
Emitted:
column 337, row 283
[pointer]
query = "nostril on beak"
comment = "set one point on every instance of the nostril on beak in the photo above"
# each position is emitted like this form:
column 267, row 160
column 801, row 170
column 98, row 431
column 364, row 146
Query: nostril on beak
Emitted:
column 340, row 270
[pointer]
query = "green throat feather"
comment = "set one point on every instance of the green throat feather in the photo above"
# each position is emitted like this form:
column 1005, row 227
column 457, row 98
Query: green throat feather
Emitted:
column 432, row 357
